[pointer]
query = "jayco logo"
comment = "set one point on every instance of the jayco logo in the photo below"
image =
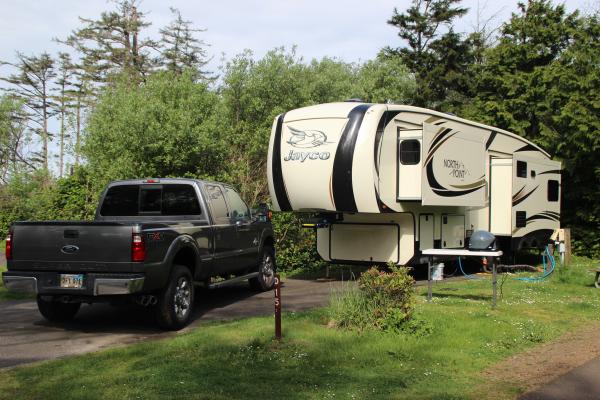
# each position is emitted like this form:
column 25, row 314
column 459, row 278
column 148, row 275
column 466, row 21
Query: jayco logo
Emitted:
column 306, row 140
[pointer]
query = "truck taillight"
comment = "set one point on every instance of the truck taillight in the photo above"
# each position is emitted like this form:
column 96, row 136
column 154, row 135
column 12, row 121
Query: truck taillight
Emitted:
column 269, row 215
column 138, row 248
column 8, row 249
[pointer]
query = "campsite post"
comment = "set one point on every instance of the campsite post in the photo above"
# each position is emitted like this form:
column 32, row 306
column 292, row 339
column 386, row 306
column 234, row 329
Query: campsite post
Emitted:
column 277, row 307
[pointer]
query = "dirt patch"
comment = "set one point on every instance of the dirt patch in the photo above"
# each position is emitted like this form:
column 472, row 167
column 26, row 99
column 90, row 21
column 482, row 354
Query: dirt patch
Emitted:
column 540, row 365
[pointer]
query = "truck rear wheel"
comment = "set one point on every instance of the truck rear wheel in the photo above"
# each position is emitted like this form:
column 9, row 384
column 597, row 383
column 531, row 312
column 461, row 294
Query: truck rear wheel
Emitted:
column 176, row 301
column 57, row 311
column 266, row 271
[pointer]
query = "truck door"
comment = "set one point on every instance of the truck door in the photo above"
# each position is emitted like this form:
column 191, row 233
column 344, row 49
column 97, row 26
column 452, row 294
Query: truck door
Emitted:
column 224, row 239
column 247, row 239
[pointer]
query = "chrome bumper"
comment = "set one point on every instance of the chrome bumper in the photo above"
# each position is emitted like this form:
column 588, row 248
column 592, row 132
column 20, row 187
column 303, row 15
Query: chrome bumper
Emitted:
column 106, row 286
column 25, row 284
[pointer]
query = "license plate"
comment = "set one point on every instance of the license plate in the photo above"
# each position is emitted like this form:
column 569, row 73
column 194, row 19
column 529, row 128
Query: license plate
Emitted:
column 71, row 281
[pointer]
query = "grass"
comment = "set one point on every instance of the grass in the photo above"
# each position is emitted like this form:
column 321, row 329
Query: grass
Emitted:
column 239, row 360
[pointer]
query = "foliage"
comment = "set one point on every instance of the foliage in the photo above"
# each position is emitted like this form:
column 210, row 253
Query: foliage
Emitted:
column 296, row 247
column 385, row 301
column 163, row 128
column 539, row 81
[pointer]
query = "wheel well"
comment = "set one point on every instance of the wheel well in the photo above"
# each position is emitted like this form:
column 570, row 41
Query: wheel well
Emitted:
column 187, row 258
column 269, row 242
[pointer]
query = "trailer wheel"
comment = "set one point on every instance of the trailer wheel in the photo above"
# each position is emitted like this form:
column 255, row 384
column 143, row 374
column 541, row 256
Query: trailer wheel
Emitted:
column 57, row 311
column 176, row 300
column 266, row 271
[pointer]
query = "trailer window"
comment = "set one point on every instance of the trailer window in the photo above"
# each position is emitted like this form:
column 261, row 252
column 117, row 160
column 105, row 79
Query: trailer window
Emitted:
column 521, row 220
column 410, row 152
column 553, row 190
column 521, row 169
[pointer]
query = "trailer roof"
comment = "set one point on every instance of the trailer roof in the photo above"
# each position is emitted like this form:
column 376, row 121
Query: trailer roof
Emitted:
column 341, row 110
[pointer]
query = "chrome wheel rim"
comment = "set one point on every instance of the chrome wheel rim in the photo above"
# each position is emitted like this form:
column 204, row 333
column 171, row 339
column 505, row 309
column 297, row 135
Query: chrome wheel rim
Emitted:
column 267, row 270
column 183, row 298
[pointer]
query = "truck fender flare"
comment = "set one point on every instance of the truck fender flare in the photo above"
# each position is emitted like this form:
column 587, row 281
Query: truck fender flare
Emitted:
column 182, row 242
column 265, row 235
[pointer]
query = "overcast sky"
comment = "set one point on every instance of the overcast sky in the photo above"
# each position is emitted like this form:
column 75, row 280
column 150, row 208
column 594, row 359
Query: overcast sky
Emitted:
column 352, row 30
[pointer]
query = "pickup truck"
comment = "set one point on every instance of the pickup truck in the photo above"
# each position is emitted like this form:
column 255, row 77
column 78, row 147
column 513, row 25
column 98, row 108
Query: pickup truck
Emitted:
column 152, row 241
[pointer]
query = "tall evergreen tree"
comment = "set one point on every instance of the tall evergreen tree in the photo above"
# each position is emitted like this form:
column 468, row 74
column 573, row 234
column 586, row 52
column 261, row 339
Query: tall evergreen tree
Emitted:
column 63, row 101
column 421, row 27
column 13, row 124
column 180, row 49
column 113, row 44
column 32, row 83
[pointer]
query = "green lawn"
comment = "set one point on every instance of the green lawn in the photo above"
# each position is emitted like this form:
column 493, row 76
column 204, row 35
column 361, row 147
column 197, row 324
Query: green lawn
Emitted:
column 239, row 360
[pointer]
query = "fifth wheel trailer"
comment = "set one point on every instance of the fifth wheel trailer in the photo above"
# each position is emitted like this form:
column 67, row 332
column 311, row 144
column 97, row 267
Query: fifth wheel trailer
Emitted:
column 383, row 182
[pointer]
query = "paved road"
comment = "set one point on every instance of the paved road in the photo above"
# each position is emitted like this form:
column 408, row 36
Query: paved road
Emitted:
column 581, row 383
column 26, row 337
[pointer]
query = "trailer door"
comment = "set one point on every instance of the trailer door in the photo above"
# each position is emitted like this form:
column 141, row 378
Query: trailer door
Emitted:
column 500, row 196
column 409, row 164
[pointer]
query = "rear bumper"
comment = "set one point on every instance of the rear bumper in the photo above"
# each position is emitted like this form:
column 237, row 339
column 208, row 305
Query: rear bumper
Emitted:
column 48, row 283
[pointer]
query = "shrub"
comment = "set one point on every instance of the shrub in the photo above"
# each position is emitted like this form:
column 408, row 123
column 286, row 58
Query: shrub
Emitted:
column 383, row 301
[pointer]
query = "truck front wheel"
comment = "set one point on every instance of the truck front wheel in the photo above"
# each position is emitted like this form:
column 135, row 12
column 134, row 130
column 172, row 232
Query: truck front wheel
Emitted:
column 57, row 311
column 266, row 271
column 176, row 301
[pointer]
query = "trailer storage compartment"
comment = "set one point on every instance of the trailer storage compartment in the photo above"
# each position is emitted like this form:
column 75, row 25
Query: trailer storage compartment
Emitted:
column 364, row 242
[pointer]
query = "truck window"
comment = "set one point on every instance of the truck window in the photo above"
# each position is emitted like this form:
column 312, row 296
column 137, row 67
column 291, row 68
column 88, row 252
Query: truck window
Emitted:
column 217, row 204
column 134, row 200
column 239, row 209
column 150, row 200
column 179, row 200
column 121, row 201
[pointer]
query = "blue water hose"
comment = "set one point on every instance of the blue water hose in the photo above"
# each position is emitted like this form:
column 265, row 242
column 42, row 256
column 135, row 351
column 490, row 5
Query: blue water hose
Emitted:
column 463, row 272
column 547, row 272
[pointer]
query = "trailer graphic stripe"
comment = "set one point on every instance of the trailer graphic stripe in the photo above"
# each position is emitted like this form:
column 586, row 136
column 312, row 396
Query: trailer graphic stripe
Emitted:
column 343, row 191
column 490, row 139
column 278, row 183
column 552, row 171
column 518, row 200
column 386, row 118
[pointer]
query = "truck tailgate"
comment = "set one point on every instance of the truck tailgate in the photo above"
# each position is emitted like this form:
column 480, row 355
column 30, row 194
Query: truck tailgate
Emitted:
column 71, row 245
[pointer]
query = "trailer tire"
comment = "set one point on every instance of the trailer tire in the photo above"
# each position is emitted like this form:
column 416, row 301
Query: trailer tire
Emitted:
column 57, row 311
column 176, row 301
column 266, row 271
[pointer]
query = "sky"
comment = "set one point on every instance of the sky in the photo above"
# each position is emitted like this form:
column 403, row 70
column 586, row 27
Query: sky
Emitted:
column 350, row 30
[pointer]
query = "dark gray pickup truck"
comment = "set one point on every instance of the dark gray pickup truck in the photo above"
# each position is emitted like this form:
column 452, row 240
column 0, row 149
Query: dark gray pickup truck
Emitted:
column 151, row 242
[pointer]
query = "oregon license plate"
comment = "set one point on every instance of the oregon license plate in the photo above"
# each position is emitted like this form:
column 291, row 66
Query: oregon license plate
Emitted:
column 71, row 281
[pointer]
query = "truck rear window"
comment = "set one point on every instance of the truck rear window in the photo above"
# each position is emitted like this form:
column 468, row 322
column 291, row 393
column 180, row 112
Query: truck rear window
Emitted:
column 135, row 200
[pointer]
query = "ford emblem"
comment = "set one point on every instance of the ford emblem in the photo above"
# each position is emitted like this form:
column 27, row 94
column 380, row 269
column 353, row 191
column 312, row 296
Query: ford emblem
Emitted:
column 69, row 249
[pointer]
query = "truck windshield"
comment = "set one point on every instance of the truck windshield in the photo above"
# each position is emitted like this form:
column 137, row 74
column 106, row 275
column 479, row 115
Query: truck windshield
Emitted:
column 135, row 200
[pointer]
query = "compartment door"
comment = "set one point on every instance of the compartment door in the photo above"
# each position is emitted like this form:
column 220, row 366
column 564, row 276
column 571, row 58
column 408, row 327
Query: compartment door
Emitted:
column 453, row 231
column 426, row 227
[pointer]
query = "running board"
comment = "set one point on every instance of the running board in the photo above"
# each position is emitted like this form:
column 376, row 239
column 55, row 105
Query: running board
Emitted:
column 233, row 280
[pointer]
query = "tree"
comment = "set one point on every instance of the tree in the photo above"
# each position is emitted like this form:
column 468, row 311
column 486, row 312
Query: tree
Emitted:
column 420, row 27
column 540, row 81
column 113, row 45
column 180, row 49
column 385, row 79
column 32, row 83
column 63, row 101
column 165, row 127
column 13, row 124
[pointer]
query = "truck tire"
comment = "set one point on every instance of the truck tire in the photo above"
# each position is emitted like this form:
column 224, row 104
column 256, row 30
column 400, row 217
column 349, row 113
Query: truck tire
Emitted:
column 266, row 271
column 57, row 311
column 176, row 300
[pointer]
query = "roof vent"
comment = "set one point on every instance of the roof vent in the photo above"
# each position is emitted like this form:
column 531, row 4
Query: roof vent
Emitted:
column 354, row 100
